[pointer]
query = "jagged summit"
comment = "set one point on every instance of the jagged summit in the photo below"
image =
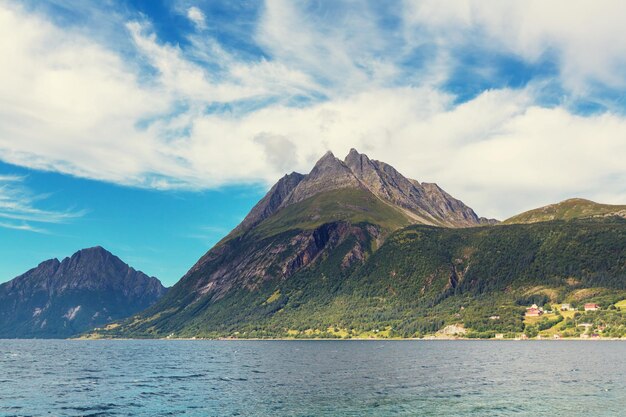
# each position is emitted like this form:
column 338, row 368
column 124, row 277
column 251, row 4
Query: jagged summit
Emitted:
column 63, row 298
column 329, row 173
column 423, row 203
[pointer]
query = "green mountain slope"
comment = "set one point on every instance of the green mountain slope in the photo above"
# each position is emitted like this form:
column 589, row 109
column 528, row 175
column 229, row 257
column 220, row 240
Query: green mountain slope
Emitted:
column 349, row 205
column 575, row 208
column 419, row 281
column 279, row 248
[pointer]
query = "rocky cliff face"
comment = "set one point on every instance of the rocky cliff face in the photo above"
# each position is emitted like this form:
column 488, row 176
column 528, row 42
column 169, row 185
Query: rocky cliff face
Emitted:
column 329, row 173
column 424, row 203
column 243, row 263
column 272, row 201
column 63, row 298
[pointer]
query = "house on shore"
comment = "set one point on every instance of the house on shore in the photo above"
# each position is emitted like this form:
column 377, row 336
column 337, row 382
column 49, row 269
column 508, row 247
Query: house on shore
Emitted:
column 534, row 311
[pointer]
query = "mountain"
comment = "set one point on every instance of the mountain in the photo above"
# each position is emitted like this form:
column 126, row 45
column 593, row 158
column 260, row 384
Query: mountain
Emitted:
column 575, row 208
column 58, row 299
column 343, row 210
column 355, row 249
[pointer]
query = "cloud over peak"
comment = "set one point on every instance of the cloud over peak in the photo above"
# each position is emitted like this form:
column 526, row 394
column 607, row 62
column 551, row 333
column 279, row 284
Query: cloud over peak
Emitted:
column 491, row 101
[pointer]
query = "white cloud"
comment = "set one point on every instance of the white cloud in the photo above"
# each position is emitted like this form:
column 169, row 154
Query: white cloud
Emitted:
column 588, row 37
column 344, row 52
column 24, row 227
column 197, row 17
column 498, row 152
column 73, row 105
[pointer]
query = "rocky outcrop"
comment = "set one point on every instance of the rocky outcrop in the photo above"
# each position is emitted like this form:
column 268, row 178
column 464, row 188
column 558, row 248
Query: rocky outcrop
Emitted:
column 239, row 263
column 329, row 173
column 62, row 298
column 271, row 202
column 424, row 203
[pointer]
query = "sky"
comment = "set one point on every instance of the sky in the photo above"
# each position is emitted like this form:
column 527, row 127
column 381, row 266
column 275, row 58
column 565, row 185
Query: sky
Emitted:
column 151, row 127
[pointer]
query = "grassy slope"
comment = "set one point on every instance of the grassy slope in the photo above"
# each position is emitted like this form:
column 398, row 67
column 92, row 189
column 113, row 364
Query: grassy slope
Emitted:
column 404, row 289
column 567, row 210
column 351, row 205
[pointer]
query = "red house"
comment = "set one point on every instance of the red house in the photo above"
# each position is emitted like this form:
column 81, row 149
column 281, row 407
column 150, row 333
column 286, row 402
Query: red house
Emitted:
column 591, row 307
column 533, row 312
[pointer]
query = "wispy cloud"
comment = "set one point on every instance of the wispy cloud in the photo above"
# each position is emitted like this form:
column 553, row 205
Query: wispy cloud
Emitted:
column 483, row 98
column 18, row 207
column 197, row 17
column 24, row 226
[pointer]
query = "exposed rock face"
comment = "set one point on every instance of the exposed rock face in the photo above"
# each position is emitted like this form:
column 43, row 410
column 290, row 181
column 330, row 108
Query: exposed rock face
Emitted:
column 329, row 173
column 272, row 201
column 60, row 299
column 424, row 203
column 239, row 263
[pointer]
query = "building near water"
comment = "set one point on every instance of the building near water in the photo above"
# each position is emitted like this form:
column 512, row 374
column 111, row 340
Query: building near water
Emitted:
column 534, row 311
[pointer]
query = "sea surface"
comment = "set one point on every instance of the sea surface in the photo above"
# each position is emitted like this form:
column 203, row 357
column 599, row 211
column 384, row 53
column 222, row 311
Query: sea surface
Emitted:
column 312, row 378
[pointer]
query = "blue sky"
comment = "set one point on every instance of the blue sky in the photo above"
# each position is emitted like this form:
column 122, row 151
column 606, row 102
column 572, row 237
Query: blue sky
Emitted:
column 151, row 127
column 160, row 232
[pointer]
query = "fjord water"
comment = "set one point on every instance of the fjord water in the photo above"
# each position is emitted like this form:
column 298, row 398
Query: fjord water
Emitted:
column 311, row 378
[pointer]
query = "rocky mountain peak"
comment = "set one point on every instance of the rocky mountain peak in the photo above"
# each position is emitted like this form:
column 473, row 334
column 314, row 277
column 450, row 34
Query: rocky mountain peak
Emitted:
column 58, row 299
column 50, row 265
column 358, row 162
column 327, row 164
column 91, row 262
column 329, row 173
column 270, row 202
column 423, row 203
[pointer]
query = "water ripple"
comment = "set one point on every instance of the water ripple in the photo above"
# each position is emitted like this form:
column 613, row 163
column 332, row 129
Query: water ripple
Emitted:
column 308, row 378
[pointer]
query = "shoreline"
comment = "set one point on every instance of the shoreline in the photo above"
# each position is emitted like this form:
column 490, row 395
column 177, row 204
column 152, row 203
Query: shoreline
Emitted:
column 291, row 339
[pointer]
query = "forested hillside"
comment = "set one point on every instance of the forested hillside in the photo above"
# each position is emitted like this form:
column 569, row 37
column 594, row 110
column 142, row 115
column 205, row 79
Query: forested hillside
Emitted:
column 419, row 281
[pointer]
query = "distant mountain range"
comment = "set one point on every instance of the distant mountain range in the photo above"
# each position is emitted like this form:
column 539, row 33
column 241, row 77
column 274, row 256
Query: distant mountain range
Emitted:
column 355, row 249
column 59, row 299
